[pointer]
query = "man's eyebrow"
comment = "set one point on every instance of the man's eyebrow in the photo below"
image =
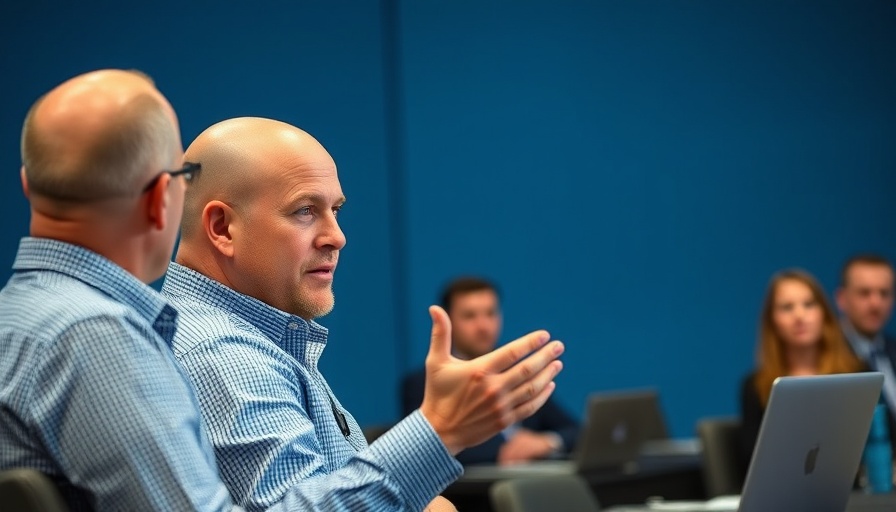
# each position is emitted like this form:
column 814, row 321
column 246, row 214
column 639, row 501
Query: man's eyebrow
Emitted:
column 315, row 197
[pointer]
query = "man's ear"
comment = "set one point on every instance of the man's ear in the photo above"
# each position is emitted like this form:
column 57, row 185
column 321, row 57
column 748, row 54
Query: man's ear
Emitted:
column 840, row 298
column 218, row 222
column 24, row 182
column 157, row 202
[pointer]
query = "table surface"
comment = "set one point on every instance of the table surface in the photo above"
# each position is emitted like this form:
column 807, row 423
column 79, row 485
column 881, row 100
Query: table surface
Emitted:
column 858, row 502
column 675, row 476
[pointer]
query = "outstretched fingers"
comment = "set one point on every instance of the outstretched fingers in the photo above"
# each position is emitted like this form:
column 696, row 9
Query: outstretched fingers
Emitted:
column 530, row 389
column 504, row 357
column 532, row 366
column 527, row 408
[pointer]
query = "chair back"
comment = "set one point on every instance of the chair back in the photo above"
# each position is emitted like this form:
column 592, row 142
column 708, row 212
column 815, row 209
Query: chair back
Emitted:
column 723, row 469
column 28, row 490
column 543, row 494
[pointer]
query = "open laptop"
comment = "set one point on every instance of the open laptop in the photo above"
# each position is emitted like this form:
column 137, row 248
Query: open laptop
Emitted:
column 809, row 447
column 616, row 426
column 810, row 443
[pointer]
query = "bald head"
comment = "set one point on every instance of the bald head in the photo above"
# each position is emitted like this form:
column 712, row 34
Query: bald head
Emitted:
column 99, row 135
column 261, row 216
column 241, row 156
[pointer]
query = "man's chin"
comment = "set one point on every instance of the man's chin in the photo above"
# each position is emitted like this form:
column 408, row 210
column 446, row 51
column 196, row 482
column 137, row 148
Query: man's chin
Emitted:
column 871, row 330
column 323, row 312
column 310, row 309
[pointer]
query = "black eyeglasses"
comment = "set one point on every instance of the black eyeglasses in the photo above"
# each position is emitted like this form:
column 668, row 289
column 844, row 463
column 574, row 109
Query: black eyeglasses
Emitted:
column 188, row 170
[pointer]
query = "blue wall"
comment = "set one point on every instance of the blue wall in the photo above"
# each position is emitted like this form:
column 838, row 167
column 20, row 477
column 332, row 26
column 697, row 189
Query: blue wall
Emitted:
column 630, row 172
column 633, row 172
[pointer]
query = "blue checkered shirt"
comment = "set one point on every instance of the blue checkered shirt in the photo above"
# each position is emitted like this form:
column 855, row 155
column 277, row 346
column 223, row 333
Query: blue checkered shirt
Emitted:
column 272, row 418
column 90, row 393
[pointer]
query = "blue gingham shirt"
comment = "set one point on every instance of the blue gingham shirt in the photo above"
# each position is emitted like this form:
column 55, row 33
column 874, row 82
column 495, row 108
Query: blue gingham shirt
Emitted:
column 90, row 393
column 270, row 413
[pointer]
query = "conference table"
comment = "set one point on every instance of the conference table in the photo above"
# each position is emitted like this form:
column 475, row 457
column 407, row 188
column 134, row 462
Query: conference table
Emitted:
column 858, row 502
column 673, row 472
column 666, row 472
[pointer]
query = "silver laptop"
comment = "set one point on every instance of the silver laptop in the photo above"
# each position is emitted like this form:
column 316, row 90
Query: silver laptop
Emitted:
column 809, row 447
column 810, row 443
column 616, row 427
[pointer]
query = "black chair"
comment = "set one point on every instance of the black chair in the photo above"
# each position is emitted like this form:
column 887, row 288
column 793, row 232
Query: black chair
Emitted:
column 543, row 494
column 28, row 490
column 723, row 470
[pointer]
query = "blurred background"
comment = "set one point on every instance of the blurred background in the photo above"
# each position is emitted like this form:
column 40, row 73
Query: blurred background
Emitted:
column 630, row 172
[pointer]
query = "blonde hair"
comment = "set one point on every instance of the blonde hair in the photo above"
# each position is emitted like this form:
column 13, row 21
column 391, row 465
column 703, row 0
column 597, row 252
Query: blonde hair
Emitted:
column 834, row 354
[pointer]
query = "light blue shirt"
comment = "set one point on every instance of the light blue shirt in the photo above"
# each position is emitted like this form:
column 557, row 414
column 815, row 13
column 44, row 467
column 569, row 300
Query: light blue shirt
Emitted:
column 272, row 418
column 90, row 393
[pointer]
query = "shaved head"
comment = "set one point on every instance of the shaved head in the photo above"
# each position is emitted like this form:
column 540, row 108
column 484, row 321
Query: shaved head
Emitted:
column 261, row 216
column 97, row 136
column 239, row 156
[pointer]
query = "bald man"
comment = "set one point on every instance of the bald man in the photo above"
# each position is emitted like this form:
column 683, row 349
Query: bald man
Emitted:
column 260, row 245
column 91, row 394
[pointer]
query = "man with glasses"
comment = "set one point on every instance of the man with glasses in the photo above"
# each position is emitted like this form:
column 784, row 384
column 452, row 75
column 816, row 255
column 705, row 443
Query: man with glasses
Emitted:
column 90, row 392
column 260, row 245
column 91, row 395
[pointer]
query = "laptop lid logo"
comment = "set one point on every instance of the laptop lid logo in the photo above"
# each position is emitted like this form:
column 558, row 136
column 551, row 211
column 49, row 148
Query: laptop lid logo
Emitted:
column 811, row 457
column 619, row 433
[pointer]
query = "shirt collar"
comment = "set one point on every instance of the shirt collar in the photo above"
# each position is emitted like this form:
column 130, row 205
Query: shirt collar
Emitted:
column 101, row 273
column 279, row 326
column 861, row 345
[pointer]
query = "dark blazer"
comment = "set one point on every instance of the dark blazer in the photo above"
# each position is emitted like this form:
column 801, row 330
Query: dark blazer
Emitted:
column 550, row 418
column 890, row 349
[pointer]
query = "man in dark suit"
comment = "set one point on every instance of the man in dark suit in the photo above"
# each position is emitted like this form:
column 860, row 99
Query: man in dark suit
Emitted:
column 475, row 312
column 865, row 299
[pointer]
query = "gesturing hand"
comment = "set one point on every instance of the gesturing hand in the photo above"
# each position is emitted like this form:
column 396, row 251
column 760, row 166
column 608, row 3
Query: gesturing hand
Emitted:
column 467, row 402
column 440, row 504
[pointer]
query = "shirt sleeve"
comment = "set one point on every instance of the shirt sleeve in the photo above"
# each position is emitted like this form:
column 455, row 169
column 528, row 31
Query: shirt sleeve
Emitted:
column 118, row 417
column 259, row 412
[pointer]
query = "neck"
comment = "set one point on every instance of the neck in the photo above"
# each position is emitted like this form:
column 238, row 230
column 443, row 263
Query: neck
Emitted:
column 865, row 335
column 462, row 355
column 802, row 360
column 104, row 233
column 858, row 339
column 204, row 259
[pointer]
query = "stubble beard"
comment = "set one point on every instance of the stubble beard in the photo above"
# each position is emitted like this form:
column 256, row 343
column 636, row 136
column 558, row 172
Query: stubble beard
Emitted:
column 310, row 309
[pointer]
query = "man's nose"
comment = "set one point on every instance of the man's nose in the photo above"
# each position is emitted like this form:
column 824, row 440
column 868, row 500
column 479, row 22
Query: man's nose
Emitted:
column 331, row 235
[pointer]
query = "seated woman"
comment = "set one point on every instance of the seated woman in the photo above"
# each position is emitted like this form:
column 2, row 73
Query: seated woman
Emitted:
column 798, row 335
